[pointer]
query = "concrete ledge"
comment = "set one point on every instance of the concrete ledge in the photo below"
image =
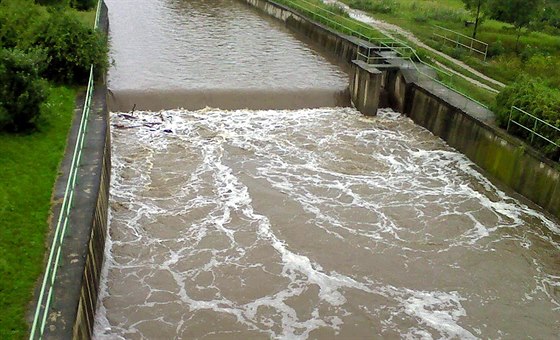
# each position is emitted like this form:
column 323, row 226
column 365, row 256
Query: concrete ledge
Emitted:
column 77, row 278
column 503, row 156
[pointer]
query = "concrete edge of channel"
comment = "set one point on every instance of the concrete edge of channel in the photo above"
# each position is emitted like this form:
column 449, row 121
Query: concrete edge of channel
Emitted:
column 76, row 287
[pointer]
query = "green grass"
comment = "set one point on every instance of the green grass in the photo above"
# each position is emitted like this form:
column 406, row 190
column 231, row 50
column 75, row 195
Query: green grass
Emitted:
column 316, row 10
column 419, row 17
column 29, row 169
column 86, row 17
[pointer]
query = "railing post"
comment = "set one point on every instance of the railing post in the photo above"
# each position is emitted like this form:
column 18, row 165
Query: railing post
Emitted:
column 509, row 119
column 534, row 131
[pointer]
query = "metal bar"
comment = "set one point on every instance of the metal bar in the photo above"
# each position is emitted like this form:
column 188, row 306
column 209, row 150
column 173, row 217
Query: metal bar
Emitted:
column 536, row 133
column 51, row 268
column 460, row 44
column 534, row 130
column 384, row 44
column 537, row 118
column 461, row 34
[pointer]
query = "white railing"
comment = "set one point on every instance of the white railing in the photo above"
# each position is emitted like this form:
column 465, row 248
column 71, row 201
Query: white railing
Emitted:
column 459, row 39
column 533, row 129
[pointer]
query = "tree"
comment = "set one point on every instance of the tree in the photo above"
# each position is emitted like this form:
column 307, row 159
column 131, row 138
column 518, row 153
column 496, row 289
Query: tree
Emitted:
column 519, row 13
column 476, row 7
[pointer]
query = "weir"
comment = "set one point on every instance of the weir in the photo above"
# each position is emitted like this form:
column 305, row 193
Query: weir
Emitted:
column 292, row 215
column 193, row 54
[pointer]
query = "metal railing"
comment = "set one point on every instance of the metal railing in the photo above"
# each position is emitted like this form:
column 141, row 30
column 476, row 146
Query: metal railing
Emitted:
column 46, row 292
column 534, row 129
column 473, row 45
column 373, row 36
column 401, row 49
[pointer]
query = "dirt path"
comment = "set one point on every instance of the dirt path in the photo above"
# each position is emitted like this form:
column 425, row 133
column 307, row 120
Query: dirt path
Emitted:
column 473, row 81
column 390, row 29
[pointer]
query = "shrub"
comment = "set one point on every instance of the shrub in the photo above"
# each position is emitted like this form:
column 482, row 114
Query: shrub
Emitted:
column 495, row 49
column 21, row 90
column 420, row 18
column 546, row 67
column 458, row 53
column 18, row 21
column 54, row 3
column 532, row 95
column 71, row 48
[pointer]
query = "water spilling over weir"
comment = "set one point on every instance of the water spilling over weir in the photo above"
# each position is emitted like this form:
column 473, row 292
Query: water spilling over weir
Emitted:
column 193, row 54
column 308, row 223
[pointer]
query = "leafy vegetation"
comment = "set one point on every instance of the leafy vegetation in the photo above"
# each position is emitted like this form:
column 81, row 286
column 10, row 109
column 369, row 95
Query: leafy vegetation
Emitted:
column 56, row 33
column 70, row 48
column 21, row 90
column 45, row 52
column 29, row 168
column 476, row 7
column 523, row 38
column 533, row 96
column 519, row 13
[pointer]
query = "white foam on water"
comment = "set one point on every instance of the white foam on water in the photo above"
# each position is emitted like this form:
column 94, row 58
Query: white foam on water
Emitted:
column 185, row 206
column 440, row 311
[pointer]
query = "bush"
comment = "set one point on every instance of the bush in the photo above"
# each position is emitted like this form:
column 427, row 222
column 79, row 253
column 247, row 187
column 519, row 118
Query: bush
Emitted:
column 18, row 21
column 546, row 67
column 71, row 48
column 54, row 3
column 21, row 90
column 495, row 49
column 458, row 53
column 533, row 96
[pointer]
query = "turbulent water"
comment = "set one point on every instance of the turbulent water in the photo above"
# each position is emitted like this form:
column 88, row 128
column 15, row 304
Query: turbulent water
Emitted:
column 315, row 224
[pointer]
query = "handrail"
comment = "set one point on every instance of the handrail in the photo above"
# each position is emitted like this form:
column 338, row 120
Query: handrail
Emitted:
column 533, row 130
column 47, row 286
column 383, row 43
column 461, row 34
column 457, row 42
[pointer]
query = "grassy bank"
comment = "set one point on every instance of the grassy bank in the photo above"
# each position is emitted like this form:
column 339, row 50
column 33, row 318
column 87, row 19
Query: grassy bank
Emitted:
column 337, row 19
column 29, row 169
column 40, row 46
column 503, row 63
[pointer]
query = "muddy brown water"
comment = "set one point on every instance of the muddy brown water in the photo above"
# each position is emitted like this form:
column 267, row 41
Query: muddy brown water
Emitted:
column 310, row 223
column 222, row 53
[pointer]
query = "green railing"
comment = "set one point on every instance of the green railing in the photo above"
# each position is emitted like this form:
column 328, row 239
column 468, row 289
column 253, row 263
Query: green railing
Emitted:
column 46, row 292
column 459, row 39
column 535, row 128
column 381, row 42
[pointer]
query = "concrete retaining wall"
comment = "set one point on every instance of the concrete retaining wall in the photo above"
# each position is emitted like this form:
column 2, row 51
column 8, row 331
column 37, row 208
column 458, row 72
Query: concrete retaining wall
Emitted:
column 503, row 156
column 76, row 287
column 463, row 124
